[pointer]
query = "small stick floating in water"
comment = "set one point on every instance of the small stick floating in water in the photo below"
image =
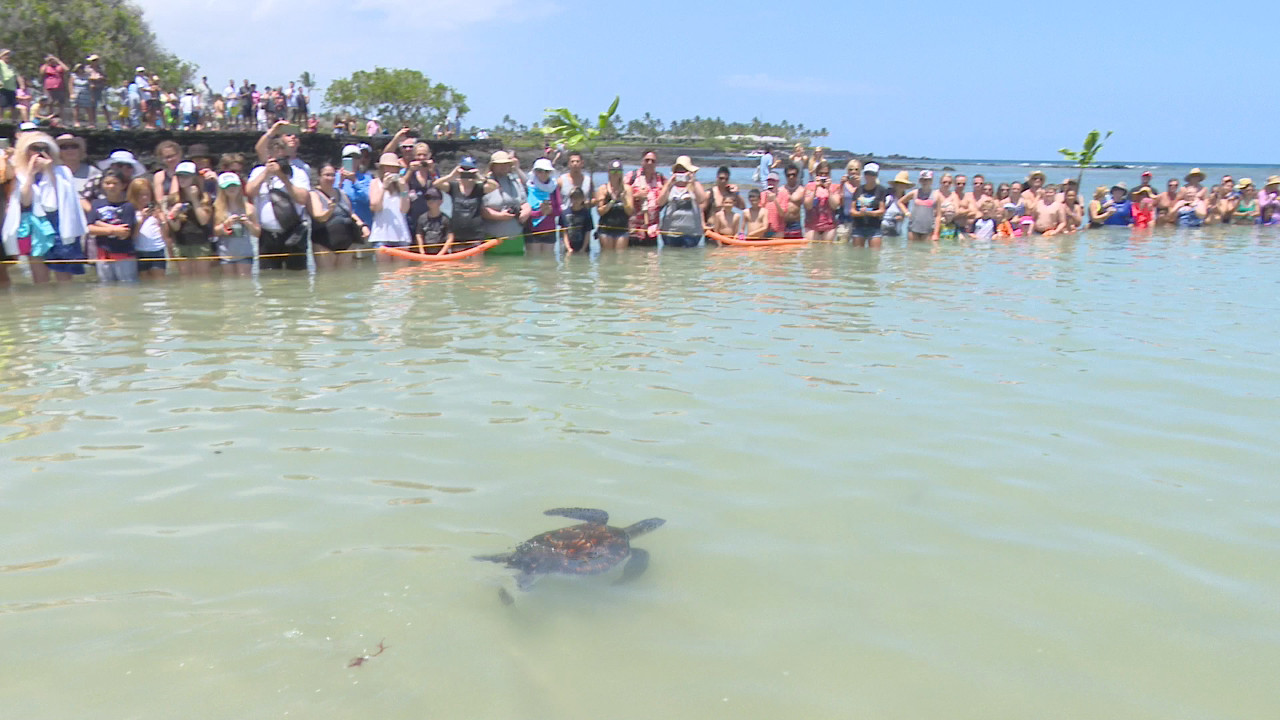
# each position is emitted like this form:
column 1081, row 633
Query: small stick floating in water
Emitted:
column 358, row 661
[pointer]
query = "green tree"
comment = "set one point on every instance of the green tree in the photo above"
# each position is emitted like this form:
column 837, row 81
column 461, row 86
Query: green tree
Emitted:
column 398, row 97
column 73, row 29
column 577, row 133
column 307, row 80
column 1084, row 157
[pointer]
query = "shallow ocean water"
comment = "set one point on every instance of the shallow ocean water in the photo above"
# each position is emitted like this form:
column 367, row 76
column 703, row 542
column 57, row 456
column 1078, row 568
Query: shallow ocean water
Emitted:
column 1027, row 480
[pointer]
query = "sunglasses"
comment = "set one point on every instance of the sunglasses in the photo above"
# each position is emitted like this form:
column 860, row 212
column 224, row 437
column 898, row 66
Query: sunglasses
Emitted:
column 40, row 148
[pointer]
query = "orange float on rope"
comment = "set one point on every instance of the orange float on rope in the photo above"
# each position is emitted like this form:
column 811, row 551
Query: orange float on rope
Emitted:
column 404, row 254
column 755, row 242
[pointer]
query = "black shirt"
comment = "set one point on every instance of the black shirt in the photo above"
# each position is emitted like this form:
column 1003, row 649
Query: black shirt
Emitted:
column 868, row 199
column 121, row 213
column 578, row 224
column 433, row 232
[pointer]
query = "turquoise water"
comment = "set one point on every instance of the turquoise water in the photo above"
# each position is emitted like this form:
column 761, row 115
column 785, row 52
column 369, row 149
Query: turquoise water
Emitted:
column 1031, row 480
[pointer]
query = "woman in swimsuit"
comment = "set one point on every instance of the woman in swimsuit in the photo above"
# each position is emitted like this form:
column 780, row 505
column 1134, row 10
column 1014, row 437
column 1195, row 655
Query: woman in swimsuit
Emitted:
column 616, row 204
column 921, row 209
column 1246, row 210
column 820, row 203
column 646, row 184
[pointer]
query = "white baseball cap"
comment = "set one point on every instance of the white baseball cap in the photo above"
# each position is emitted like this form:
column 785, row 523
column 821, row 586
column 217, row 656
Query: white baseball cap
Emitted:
column 350, row 150
column 543, row 164
column 871, row 168
column 185, row 168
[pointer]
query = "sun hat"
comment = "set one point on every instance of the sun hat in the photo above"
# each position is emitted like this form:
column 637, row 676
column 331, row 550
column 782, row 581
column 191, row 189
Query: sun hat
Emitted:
column 926, row 175
column 1101, row 189
column 685, row 162
column 390, row 160
column 1035, row 173
column 185, row 168
column 499, row 157
column 27, row 126
column 199, row 150
column 1273, row 180
column 467, row 163
column 1143, row 190
column 139, row 69
column 1194, row 171
column 122, row 157
column 227, row 179
column 903, row 178
column 92, row 57
column 871, row 168
column 5, row 51
column 1122, row 187
column 69, row 138
column 1244, row 183
column 543, row 164
column 350, row 150
column 1146, row 173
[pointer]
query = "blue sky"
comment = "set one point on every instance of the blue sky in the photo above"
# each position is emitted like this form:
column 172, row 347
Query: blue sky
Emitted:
column 1176, row 81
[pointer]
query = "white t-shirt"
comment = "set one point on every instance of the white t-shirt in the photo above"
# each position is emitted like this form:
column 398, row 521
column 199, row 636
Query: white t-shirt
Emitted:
column 267, row 213
column 229, row 94
column 187, row 104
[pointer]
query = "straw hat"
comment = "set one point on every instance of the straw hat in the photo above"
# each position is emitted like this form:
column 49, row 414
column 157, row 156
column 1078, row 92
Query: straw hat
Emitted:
column 903, row 178
column 1141, row 190
column 390, row 160
column 685, row 162
column 1194, row 172
column 502, row 156
column 1273, row 180
column 1243, row 183
column 1035, row 173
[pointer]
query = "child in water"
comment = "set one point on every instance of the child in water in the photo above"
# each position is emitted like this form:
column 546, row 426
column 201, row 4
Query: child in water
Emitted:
column 984, row 228
column 755, row 218
column 433, row 235
column 725, row 221
column 576, row 223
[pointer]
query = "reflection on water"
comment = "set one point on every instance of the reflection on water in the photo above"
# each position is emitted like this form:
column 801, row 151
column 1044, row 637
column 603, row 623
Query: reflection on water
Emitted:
column 924, row 481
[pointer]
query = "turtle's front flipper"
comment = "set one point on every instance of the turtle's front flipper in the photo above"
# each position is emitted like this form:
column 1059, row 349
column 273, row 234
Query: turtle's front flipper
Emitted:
column 595, row 517
column 504, row 558
column 635, row 567
column 525, row 580
column 643, row 527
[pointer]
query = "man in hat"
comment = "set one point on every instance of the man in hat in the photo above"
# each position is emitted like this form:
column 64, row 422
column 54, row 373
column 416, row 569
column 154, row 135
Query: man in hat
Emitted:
column 867, row 207
column 142, row 82
column 288, row 136
column 1119, row 209
column 354, row 183
column 1195, row 183
column 204, row 160
column 1031, row 195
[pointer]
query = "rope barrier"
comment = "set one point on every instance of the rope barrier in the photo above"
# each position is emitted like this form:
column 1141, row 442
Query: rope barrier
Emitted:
column 371, row 249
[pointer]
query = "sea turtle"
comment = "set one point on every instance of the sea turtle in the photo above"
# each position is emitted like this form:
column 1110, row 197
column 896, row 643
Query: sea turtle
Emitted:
column 587, row 549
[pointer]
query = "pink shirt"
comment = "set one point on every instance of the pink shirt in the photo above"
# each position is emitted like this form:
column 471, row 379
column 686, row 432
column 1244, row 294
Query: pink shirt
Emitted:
column 52, row 76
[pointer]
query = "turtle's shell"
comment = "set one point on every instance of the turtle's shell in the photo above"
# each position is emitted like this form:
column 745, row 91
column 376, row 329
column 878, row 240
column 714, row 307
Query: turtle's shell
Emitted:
column 585, row 549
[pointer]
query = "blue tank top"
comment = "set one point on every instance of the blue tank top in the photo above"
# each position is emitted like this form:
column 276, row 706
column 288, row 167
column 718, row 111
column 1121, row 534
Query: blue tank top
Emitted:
column 1123, row 214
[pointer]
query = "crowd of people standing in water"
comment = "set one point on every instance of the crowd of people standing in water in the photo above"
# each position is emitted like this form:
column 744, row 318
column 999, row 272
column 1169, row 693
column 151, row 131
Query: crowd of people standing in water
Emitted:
column 198, row 211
